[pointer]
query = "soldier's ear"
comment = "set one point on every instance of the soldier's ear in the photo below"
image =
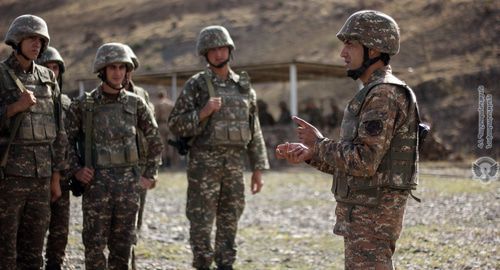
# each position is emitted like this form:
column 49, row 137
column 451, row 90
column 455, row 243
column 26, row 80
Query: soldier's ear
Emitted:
column 372, row 53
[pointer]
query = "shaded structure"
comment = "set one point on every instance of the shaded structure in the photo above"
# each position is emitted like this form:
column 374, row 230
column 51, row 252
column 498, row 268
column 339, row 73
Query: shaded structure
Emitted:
column 291, row 72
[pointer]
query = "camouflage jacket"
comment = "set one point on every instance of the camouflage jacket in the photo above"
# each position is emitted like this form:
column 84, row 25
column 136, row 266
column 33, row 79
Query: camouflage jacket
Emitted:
column 184, row 119
column 385, row 112
column 32, row 159
column 145, row 123
column 141, row 92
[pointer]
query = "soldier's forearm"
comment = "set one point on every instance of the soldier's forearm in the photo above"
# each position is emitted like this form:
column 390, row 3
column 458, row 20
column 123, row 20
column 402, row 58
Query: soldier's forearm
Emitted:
column 12, row 110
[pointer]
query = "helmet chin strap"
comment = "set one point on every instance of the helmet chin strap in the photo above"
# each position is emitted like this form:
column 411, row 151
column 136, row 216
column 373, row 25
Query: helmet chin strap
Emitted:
column 221, row 64
column 367, row 62
column 20, row 52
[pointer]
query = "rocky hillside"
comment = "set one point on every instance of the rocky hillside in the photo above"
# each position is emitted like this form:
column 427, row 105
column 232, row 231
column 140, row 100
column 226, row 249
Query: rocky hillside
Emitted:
column 449, row 48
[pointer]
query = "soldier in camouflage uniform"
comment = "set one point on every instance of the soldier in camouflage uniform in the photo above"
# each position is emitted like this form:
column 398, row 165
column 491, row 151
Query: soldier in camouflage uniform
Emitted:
column 28, row 98
column 374, row 162
column 225, row 127
column 113, row 180
column 59, row 209
column 141, row 92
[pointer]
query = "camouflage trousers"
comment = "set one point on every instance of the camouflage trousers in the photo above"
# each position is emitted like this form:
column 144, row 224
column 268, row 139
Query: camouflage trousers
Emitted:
column 58, row 230
column 110, row 207
column 370, row 233
column 215, row 191
column 24, row 217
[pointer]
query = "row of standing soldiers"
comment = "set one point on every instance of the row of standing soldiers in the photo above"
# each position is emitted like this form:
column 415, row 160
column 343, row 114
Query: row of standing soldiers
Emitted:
column 108, row 143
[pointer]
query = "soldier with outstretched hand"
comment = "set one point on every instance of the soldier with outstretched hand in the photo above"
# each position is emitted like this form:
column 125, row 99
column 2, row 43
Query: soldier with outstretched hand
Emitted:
column 374, row 162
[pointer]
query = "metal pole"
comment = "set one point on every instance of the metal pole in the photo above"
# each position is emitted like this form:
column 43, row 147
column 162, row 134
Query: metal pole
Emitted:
column 293, row 89
column 174, row 87
column 81, row 87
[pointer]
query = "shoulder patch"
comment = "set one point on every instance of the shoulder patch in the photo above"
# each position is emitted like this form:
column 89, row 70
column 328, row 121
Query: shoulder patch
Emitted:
column 373, row 127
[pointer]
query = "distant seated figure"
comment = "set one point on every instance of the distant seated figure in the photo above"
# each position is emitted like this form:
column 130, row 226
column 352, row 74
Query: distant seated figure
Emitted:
column 163, row 107
column 333, row 119
column 266, row 119
column 313, row 113
column 285, row 116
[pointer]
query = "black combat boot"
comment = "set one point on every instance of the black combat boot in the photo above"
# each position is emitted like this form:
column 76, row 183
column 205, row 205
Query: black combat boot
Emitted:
column 53, row 266
column 224, row 267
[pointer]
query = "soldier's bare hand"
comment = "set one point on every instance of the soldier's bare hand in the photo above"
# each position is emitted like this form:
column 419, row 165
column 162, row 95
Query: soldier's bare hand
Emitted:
column 293, row 152
column 147, row 183
column 26, row 100
column 281, row 150
column 213, row 105
column 85, row 175
column 256, row 183
column 307, row 133
column 55, row 187
column 298, row 153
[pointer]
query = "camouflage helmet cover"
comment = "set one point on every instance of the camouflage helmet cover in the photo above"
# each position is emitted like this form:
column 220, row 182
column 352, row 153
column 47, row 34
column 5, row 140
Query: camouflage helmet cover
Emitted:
column 212, row 37
column 134, row 58
column 110, row 53
column 374, row 29
column 25, row 26
column 51, row 55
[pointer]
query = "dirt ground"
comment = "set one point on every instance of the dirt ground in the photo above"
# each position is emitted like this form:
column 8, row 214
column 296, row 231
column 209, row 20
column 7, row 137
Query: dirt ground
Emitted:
column 289, row 225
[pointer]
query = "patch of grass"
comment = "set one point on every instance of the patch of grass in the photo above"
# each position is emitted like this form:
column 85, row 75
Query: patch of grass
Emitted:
column 456, row 186
column 155, row 249
column 272, row 248
column 446, row 247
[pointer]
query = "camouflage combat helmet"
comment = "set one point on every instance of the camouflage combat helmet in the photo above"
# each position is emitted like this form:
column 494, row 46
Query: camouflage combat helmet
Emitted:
column 25, row 26
column 134, row 58
column 374, row 29
column 212, row 37
column 52, row 55
column 111, row 53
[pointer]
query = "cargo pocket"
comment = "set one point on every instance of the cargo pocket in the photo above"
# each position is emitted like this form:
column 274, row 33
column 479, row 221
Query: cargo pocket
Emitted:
column 50, row 131
column 221, row 130
column 38, row 132
column 25, row 129
column 117, row 158
column 341, row 188
column 131, row 153
column 234, row 132
column 103, row 157
column 245, row 131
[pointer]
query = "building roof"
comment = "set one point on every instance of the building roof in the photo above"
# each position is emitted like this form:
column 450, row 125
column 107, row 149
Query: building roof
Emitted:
column 259, row 73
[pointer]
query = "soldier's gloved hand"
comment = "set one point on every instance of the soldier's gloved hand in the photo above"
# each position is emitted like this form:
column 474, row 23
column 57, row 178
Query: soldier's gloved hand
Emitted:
column 85, row 175
column 213, row 105
column 147, row 183
column 307, row 133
